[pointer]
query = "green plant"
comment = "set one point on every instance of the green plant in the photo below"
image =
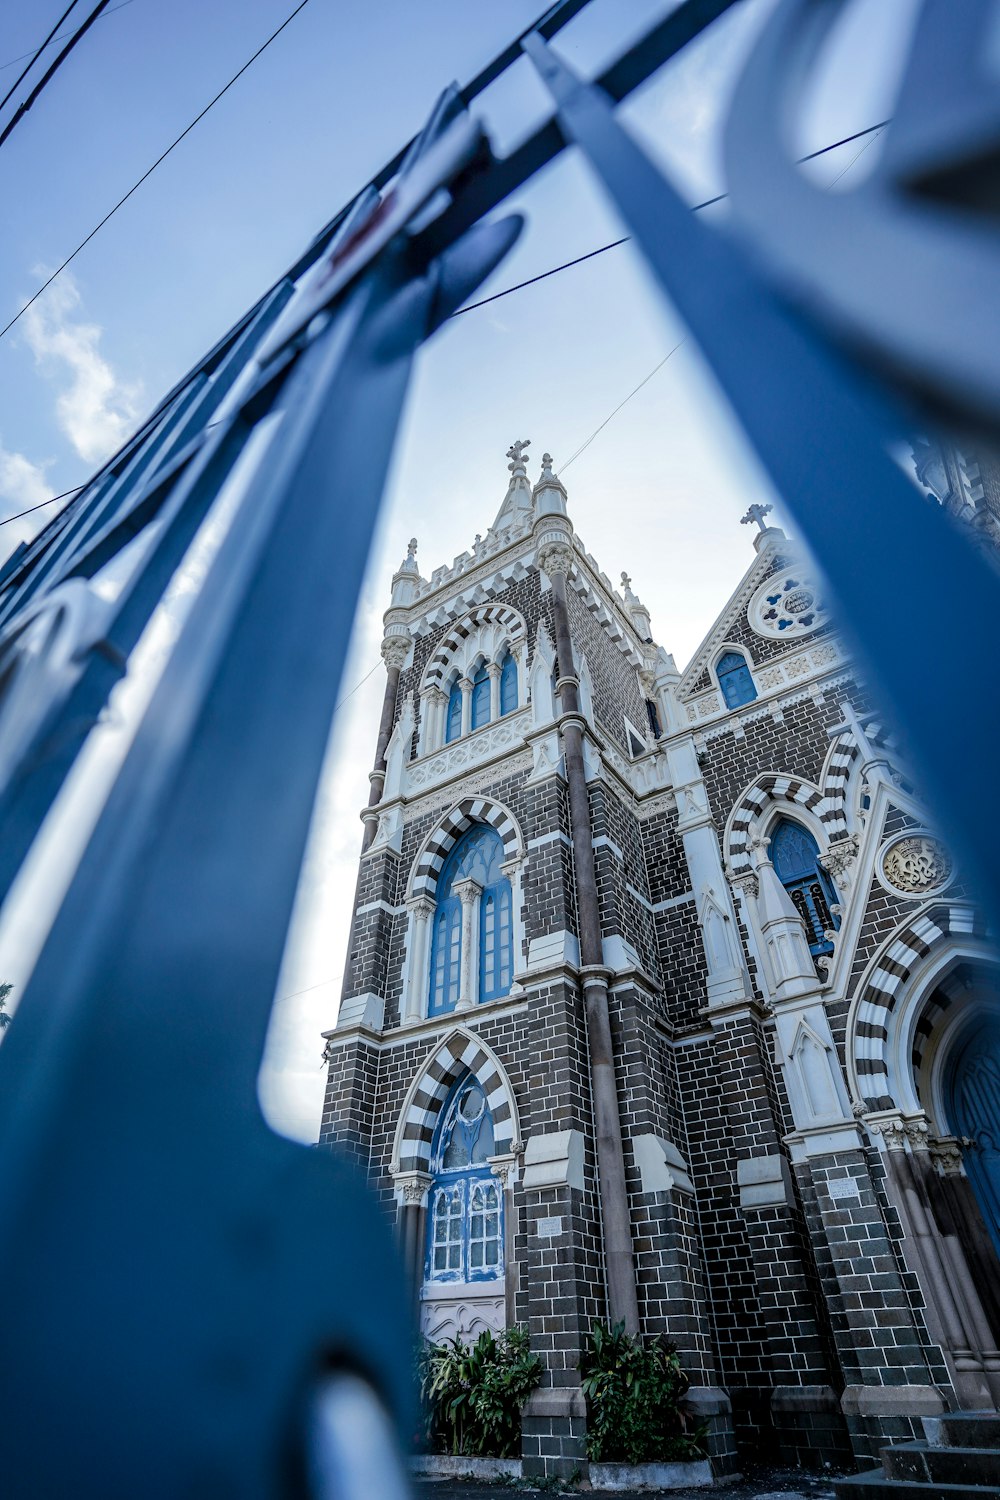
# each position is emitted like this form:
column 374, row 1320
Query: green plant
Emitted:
column 634, row 1391
column 5, row 1020
column 472, row 1394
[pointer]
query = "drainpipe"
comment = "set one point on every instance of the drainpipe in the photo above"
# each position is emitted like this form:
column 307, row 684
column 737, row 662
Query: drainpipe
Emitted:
column 555, row 556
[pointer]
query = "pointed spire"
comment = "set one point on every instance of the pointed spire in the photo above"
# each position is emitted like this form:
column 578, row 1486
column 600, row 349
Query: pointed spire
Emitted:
column 781, row 926
column 406, row 576
column 517, row 501
column 549, row 493
column 637, row 611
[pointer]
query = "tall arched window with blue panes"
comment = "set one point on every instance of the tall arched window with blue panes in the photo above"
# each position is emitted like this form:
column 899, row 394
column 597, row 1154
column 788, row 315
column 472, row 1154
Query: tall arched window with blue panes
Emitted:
column 453, row 722
column 481, row 697
column 795, row 856
column 465, row 1206
column 477, row 856
column 508, row 683
column 735, row 680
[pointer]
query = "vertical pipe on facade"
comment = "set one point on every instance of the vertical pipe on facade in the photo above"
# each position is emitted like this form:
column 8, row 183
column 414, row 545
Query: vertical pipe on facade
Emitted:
column 376, row 785
column 377, row 777
column 622, row 1295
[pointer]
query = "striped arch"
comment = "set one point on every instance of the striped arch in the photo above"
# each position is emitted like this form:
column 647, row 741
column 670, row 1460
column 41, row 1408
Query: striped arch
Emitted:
column 877, row 1003
column 841, row 762
column 499, row 622
column 762, row 795
column 427, row 865
column 461, row 1052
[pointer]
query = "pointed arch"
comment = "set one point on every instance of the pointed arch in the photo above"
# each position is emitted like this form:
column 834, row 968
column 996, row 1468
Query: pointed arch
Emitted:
column 483, row 631
column 437, row 845
column 917, row 948
column 765, row 796
column 461, row 1052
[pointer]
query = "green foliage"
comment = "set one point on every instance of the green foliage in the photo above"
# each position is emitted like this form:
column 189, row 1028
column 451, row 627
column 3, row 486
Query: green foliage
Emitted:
column 634, row 1391
column 5, row 1020
column 472, row 1394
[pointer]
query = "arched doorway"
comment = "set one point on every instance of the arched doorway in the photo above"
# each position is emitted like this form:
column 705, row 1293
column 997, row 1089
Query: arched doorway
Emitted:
column 972, row 1100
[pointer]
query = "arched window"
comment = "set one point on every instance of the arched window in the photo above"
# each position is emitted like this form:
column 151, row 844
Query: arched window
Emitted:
column 477, row 856
column 453, row 725
column 795, row 856
column 481, row 697
column 508, row 684
column 735, row 680
column 465, row 1218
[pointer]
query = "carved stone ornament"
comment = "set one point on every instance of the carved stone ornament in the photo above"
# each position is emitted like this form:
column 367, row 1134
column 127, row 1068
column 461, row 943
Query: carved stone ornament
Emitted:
column 917, row 865
column 899, row 1133
column 555, row 557
column 946, row 1154
column 839, row 858
column 395, row 650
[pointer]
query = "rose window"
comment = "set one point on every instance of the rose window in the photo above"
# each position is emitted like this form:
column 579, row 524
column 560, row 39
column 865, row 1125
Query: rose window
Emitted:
column 787, row 605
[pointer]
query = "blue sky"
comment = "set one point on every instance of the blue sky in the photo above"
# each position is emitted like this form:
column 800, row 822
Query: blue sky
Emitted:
column 658, row 493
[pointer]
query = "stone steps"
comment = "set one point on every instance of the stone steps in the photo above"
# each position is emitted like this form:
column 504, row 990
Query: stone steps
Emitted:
column 960, row 1462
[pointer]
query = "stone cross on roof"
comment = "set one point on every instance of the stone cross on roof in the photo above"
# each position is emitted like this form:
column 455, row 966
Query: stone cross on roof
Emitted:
column 756, row 513
column 516, row 454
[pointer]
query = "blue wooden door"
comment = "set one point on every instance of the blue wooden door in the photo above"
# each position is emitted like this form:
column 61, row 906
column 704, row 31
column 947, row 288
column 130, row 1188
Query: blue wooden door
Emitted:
column 973, row 1100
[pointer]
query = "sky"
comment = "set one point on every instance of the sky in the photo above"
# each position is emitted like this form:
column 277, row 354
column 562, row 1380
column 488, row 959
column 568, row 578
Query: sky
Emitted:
column 658, row 492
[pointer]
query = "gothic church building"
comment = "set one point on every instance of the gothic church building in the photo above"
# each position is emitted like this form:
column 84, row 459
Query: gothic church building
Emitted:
column 666, row 1003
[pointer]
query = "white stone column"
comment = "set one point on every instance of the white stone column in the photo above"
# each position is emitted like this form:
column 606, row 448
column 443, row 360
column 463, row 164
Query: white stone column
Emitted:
column 511, row 868
column 466, row 687
column 493, row 671
column 429, row 738
column 469, row 892
column 417, row 990
column 785, row 943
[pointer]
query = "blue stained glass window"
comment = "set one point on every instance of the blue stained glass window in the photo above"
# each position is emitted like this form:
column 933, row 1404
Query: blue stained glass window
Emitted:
column 465, row 1223
column 453, row 727
column 481, row 698
column 735, row 680
column 477, row 856
column 508, row 684
column 795, row 856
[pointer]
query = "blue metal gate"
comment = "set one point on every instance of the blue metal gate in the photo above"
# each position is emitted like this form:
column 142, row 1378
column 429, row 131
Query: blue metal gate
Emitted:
column 178, row 1284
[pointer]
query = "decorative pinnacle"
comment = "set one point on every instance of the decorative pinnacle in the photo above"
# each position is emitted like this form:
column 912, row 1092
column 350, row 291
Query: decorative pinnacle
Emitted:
column 516, row 454
column 626, row 582
column 546, row 465
column 411, row 549
column 756, row 513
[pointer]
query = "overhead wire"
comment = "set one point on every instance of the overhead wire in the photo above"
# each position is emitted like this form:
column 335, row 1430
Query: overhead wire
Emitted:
column 34, row 56
column 870, row 130
column 36, row 52
column 695, row 208
column 150, row 170
column 51, row 70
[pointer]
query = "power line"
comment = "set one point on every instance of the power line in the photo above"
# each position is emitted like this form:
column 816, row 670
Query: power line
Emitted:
column 150, row 170
column 52, row 69
column 41, row 505
column 607, row 419
column 870, row 130
column 34, row 56
column 877, row 129
column 697, row 207
column 13, row 61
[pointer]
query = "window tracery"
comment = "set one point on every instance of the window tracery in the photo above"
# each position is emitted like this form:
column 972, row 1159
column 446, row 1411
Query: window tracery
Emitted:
column 465, row 1223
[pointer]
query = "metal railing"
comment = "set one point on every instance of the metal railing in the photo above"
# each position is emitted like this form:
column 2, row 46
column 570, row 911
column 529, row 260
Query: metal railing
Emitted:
column 178, row 1283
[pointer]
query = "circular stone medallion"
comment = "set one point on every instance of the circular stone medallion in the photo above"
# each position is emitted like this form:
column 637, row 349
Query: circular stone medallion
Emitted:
column 916, row 865
column 786, row 605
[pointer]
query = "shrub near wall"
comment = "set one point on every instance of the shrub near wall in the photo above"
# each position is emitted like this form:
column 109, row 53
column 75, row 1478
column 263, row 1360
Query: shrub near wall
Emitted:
column 472, row 1394
column 634, row 1391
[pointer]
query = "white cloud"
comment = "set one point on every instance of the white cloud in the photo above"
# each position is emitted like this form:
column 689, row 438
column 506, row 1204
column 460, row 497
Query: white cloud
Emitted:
column 22, row 483
column 97, row 410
